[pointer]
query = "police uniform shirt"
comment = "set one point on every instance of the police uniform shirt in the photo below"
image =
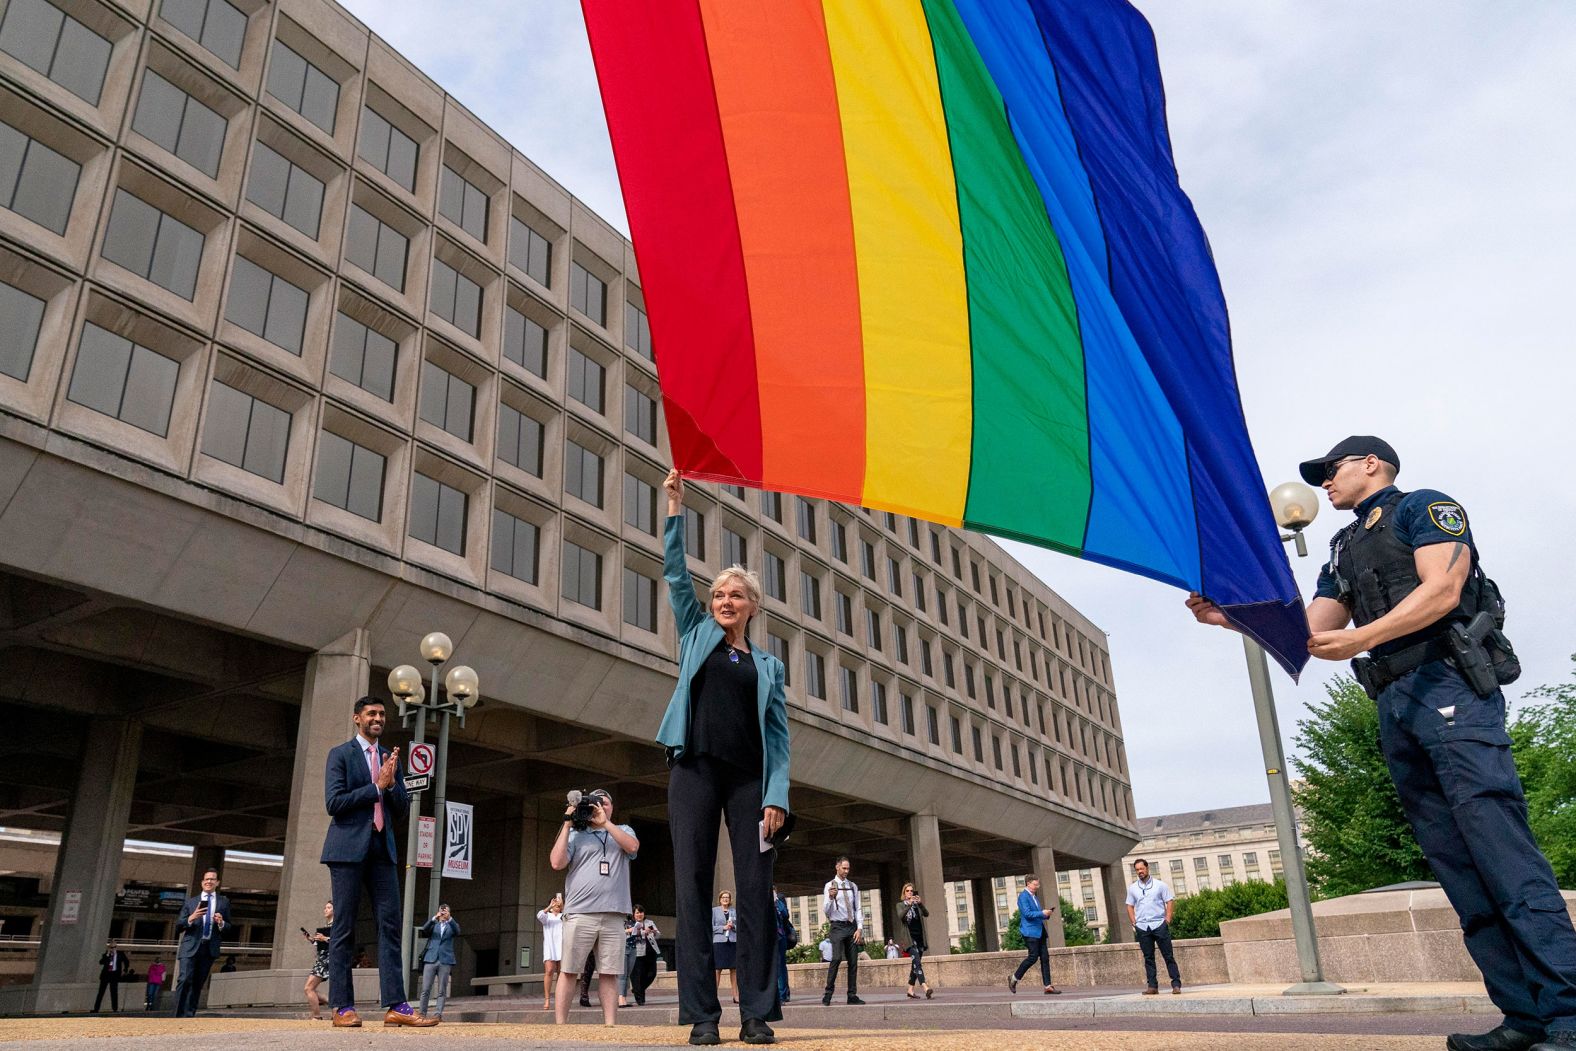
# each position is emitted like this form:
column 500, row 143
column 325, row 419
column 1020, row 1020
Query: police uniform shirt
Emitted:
column 1423, row 517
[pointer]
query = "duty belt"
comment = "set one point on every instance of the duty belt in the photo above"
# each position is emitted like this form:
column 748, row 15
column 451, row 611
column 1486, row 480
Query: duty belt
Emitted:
column 1375, row 673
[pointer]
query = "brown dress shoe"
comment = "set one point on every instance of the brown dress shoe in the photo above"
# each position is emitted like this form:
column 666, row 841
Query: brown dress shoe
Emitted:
column 1151, row 991
column 1051, row 990
column 395, row 1017
column 347, row 1019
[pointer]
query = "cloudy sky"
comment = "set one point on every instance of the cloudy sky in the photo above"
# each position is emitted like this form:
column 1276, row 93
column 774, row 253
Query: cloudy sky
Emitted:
column 1388, row 191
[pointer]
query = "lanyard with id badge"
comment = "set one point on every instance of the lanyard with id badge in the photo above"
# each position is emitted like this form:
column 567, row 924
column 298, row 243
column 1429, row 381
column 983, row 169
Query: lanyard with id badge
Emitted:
column 604, row 867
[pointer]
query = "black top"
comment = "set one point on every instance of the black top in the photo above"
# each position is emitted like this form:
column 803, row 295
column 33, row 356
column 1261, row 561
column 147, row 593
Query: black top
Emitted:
column 723, row 719
column 913, row 919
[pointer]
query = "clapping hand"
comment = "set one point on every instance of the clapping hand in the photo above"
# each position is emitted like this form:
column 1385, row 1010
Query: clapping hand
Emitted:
column 386, row 773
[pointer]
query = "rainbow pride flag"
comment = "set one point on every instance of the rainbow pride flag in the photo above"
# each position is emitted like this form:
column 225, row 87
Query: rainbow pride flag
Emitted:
column 932, row 257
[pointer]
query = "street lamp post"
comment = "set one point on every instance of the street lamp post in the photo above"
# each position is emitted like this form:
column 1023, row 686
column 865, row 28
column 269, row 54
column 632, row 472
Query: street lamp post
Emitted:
column 1295, row 506
column 464, row 690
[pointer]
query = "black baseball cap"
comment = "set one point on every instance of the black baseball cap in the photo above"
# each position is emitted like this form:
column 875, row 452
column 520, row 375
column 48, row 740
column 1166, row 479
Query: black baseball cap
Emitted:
column 1312, row 471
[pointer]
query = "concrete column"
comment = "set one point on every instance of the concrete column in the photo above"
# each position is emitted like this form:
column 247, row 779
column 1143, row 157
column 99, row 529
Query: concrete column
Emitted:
column 924, row 871
column 983, row 895
column 203, row 859
column 533, row 882
column 335, row 677
column 87, row 868
column 723, row 879
column 1114, row 880
column 1042, row 862
column 888, row 903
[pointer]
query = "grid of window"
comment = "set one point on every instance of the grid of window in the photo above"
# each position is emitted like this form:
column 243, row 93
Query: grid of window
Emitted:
column 456, row 298
column 776, row 583
column 585, row 381
column 125, row 380
column 40, row 35
column 640, row 504
column 267, row 305
column 845, row 613
column 878, row 703
column 772, row 506
column 867, row 558
column 640, row 600
column 21, row 314
column 285, row 190
column 815, row 674
column 734, row 550
column 463, row 203
column 583, row 474
column 873, row 629
column 36, row 182
column 978, row 740
column 905, row 705
column 519, row 439
column 640, row 415
column 957, row 733
column 894, row 577
column 900, row 643
column 437, row 513
column 524, row 342
column 588, row 293
column 217, row 25
column 932, row 725
column 363, row 356
column 810, row 595
column 514, row 546
column 695, row 533
column 777, row 646
column 582, row 575
column 530, row 251
column 303, row 87
column 377, row 248
column 447, row 402
column 848, row 688
column 153, row 245
column 180, row 124
column 246, row 432
column 349, row 476
column 995, row 748
column 637, row 331
column 388, row 149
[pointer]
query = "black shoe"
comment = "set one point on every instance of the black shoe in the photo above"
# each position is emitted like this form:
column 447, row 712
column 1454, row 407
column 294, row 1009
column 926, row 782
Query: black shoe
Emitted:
column 755, row 1031
column 1560, row 1041
column 826, row 999
column 1503, row 1038
column 704, row 1033
column 1012, row 985
column 585, row 1001
column 785, row 998
column 854, row 1001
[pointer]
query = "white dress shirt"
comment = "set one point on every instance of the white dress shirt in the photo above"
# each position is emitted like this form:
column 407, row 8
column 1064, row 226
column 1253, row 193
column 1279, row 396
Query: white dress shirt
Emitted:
column 845, row 907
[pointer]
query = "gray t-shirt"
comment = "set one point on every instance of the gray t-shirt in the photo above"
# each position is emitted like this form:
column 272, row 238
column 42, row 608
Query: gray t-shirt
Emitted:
column 585, row 888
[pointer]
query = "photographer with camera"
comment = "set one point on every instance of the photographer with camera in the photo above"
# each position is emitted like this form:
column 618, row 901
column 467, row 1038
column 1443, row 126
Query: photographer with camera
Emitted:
column 597, row 854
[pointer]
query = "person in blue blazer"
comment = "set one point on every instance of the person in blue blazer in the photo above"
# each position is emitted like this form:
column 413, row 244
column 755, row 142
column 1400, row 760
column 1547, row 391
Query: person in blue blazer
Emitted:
column 440, row 932
column 726, row 734
column 1031, row 924
column 198, row 934
column 365, row 797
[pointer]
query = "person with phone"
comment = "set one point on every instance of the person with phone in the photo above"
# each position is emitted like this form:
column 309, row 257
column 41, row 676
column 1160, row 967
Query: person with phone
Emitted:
column 199, row 933
column 319, row 974
column 726, row 734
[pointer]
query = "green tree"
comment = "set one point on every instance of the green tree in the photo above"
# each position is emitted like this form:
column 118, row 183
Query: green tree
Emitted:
column 1358, row 838
column 1012, row 937
column 967, row 942
column 1200, row 915
column 1074, row 926
column 1543, row 739
column 809, row 948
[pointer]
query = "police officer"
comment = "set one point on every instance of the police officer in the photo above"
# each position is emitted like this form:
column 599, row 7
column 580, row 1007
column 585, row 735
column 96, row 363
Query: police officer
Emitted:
column 1406, row 573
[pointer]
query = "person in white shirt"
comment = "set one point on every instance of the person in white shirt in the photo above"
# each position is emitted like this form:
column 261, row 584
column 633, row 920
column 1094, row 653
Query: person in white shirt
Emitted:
column 892, row 951
column 1150, row 904
column 840, row 904
column 826, row 950
column 552, row 921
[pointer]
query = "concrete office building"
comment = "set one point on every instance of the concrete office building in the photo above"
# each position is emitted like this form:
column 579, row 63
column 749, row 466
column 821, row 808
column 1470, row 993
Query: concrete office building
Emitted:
column 300, row 362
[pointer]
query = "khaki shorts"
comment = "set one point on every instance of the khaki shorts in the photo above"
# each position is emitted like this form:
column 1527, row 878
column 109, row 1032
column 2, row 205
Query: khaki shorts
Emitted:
column 602, row 931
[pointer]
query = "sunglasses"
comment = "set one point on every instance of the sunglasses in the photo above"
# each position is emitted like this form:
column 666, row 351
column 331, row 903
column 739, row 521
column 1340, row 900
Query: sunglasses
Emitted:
column 1331, row 468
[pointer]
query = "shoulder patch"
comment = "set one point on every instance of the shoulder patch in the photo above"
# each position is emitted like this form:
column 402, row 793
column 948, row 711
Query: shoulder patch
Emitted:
column 1448, row 517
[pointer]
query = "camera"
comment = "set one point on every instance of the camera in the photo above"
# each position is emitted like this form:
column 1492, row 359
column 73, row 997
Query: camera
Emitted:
column 585, row 804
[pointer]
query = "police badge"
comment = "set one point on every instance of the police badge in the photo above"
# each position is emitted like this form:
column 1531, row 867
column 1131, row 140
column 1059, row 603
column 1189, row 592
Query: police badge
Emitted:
column 1448, row 517
column 1373, row 517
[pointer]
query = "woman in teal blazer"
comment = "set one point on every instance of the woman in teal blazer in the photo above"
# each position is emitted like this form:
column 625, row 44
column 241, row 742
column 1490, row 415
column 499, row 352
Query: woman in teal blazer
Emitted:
column 726, row 734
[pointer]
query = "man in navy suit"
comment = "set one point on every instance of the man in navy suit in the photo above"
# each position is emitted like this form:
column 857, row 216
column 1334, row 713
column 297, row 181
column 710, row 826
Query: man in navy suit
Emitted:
column 199, row 933
column 436, row 962
column 365, row 796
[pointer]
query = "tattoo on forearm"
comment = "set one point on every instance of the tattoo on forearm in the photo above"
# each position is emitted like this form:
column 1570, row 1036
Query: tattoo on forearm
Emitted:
column 1455, row 556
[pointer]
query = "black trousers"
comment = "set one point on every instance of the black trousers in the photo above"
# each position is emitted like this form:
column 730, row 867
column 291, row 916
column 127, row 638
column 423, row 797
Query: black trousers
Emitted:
column 194, row 974
column 916, row 963
column 112, row 983
column 700, row 791
column 843, row 948
column 379, row 878
column 1039, row 949
column 1147, row 940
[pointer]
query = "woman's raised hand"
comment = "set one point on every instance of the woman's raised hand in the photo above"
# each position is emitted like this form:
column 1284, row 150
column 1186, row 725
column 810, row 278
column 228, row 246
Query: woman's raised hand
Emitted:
column 674, row 485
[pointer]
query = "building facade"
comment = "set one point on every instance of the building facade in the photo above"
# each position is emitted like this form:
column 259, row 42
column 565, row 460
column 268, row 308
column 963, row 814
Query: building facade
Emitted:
column 302, row 361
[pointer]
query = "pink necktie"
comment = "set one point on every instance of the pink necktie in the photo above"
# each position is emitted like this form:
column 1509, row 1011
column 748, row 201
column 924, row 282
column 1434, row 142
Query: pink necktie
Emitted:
column 377, row 808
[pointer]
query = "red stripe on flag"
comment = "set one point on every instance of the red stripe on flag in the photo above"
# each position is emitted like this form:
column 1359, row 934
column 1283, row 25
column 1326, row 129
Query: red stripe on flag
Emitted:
column 655, row 77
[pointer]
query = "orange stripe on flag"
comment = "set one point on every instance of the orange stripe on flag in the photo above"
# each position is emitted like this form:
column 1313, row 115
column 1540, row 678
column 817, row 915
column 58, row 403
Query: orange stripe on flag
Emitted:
column 772, row 74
